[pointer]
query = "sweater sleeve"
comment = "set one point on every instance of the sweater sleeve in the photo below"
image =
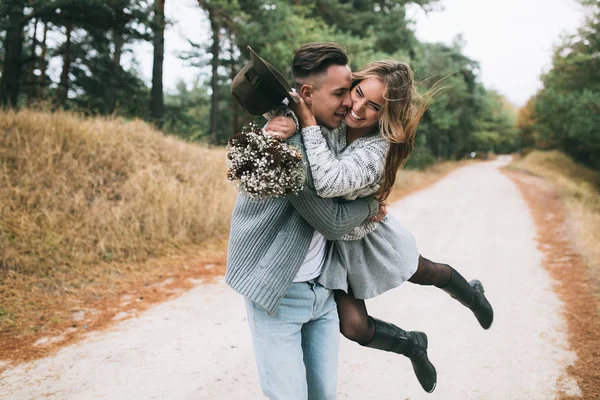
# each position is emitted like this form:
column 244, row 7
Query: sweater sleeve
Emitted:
column 348, row 172
column 333, row 218
column 282, row 110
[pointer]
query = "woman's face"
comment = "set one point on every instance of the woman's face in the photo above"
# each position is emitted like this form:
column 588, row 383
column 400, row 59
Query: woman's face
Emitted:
column 367, row 102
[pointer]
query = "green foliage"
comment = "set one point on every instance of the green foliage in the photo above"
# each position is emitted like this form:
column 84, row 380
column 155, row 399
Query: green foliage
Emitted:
column 569, row 121
column 463, row 117
column 449, row 119
column 566, row 112
column 186, row 111
column 495, row 129
column 265, row 25
column 421, row 157
column 106, row 88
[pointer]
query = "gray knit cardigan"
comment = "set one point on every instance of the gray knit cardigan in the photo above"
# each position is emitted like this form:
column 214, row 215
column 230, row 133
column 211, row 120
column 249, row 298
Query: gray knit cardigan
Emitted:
column 269, row 239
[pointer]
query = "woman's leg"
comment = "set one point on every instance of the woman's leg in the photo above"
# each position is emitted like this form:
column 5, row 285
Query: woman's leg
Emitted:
column 431, row 273
column 470, row 294
column 355, row 323
column 358, row 326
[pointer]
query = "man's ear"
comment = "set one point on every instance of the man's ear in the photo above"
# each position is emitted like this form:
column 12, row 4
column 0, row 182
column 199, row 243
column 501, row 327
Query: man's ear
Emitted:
column 306, row 91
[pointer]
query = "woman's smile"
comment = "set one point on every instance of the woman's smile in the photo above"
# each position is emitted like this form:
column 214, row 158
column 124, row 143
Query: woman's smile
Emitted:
column 355, row 116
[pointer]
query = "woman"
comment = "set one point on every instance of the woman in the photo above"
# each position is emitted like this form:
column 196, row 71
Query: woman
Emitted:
column 360, row 159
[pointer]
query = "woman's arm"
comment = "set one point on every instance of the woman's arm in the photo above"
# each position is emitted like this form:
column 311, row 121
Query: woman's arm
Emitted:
column 332, row 218
column 335, row 175
column 281, row 122
column 348, row 172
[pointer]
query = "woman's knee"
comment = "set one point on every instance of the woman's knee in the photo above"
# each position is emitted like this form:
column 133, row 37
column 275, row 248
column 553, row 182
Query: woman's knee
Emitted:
column 426, row 272
column 431, row 273
column 357, row 330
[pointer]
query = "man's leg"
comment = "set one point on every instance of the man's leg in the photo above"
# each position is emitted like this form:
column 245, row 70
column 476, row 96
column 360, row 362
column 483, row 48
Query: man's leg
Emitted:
column 320, row 342
column 278, row 343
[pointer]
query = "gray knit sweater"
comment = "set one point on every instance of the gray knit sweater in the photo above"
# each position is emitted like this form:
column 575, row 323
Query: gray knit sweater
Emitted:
column 269, row 239
column 346, row 171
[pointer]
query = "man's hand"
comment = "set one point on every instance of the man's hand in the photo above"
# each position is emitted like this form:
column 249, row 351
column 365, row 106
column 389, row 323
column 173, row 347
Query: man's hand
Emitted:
column 381, row 214
column 281, row 127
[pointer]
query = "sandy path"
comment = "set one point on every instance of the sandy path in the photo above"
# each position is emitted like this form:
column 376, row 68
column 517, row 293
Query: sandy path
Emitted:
column 198, row 346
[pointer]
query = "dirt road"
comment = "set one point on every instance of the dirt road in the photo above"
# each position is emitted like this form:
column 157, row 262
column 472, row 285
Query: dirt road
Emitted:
column 198, row 345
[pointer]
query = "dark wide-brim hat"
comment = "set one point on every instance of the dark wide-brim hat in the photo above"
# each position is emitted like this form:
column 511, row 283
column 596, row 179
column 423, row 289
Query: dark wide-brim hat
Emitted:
column 259, row 87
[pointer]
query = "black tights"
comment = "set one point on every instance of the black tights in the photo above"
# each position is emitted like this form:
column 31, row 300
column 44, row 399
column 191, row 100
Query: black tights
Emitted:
column 431, row 273
column 355, row 323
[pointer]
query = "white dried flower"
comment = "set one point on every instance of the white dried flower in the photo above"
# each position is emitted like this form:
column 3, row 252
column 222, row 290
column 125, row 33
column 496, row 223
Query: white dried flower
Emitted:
column 262, row 167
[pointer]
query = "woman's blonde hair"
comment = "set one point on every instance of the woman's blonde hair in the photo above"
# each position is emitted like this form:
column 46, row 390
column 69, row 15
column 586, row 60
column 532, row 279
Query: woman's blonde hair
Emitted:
column 400, row 115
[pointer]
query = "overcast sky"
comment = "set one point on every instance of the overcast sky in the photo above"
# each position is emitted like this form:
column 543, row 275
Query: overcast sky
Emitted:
column 512, row 39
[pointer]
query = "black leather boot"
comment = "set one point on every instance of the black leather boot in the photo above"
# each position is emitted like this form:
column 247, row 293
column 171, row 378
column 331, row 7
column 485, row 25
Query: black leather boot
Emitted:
column 412, row 344
column 472, row 296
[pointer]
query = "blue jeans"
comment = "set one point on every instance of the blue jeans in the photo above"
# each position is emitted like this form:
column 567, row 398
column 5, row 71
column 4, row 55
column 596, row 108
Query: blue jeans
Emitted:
column 296, row 349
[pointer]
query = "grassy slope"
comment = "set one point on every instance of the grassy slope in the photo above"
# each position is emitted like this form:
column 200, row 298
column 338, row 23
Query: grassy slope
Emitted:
column 85, row 202
column 78, row 191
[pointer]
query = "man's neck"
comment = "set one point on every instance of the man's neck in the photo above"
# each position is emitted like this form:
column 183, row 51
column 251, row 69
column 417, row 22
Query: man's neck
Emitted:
column 321, row 123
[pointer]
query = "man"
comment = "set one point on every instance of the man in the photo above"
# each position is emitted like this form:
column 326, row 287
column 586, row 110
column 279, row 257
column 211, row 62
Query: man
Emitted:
column 277, row 248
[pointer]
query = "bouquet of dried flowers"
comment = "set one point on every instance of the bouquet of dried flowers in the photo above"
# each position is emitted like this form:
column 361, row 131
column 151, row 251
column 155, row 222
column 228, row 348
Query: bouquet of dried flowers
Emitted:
column 262, row 167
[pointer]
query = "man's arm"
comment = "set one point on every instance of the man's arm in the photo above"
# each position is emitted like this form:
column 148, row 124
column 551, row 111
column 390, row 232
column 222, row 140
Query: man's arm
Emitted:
column 331, row 218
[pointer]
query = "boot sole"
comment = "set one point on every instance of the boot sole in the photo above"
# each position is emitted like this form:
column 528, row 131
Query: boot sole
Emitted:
column 432, row 389
column 423, row 336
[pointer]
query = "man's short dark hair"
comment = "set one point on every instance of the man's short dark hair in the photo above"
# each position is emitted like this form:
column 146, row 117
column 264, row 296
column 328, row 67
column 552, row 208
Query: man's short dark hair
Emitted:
column 315, row 58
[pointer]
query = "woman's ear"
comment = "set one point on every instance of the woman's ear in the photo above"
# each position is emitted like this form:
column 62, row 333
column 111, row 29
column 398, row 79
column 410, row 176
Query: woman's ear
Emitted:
column 306, row 91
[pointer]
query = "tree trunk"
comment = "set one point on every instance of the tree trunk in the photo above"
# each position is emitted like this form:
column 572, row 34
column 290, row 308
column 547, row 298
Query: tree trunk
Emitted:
column 43, row 65
column 31, row 90
column 63, row 87
column 118, row 48
column 214, row 81
column 156, row 95
column 235, row 107
column 13, row 45
column 117, row 36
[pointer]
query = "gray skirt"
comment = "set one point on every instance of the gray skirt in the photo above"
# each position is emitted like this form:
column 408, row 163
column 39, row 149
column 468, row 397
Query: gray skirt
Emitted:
column 380, row 261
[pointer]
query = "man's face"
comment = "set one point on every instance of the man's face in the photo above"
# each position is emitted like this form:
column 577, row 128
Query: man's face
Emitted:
column 329, row 97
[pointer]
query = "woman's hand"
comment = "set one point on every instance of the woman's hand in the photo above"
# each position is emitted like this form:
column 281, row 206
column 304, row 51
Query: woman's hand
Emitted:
column 281, row 127
column 302, row 111
column 381, row 214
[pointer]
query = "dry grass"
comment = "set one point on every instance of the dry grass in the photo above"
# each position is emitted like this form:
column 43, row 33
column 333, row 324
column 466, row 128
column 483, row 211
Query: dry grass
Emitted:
column 579, row 187
column 565, row 202
column 85, row 202
column 76, row 191
column 100, row 217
